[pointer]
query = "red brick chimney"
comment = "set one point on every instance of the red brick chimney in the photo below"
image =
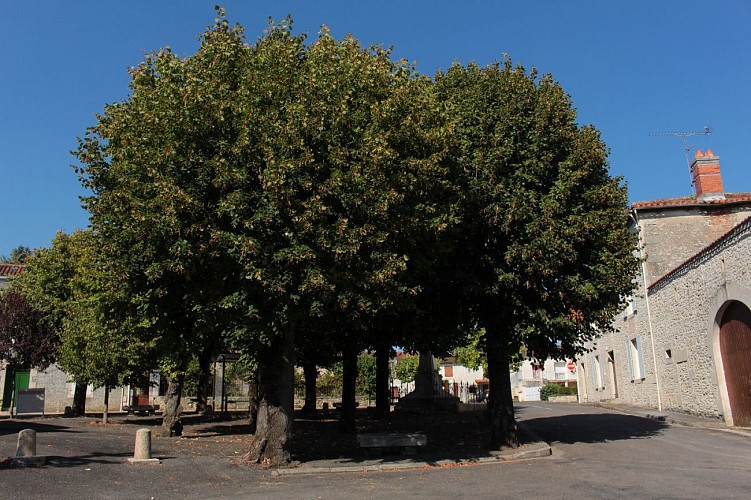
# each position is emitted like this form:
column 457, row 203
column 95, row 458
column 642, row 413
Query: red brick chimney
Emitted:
column 705, row 171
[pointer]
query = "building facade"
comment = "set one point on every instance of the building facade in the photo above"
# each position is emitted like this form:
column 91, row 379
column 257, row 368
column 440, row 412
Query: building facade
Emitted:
column 666, row 348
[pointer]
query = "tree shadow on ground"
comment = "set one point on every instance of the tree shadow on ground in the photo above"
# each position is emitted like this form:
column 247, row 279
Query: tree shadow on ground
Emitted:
column 594, row 428
column 15, row 426
column 190, row 419
column 91, row 458
column 450, row 436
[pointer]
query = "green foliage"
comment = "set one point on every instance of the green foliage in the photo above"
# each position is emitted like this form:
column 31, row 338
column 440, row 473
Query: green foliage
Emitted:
column 18, row 255
column 406, row 368
column 67, row 282
column 366, row 375
column 549, row 390
column 472, row 355
column 546, row 253
column 329, row 382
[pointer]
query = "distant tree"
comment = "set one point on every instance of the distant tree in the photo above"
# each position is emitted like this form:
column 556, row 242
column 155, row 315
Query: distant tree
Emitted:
column 472, row 353
column 544, row 248
column 366, row 375
column 18, row 255
column 406, row 368
column 26, row 338
column 68, row 283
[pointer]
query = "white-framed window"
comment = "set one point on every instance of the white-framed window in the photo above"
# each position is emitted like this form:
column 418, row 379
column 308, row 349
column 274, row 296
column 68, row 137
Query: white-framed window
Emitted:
column 559, row 368
column 635, row 356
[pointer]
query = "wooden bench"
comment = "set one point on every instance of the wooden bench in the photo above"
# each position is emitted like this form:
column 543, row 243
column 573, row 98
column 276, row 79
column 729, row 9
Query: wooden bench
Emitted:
column 141, row 410
column 405, row 443
column 338, row 404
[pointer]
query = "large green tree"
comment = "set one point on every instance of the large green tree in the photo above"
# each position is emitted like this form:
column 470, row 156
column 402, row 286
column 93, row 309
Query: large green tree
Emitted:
column 160, row 165
column 67, row 284
column 544, row 246
column 47, row 283
column 249, row 190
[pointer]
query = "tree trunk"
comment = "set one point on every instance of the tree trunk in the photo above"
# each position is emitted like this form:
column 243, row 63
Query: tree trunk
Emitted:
column 500, row 400
column 311, row 375
column 349, row 389
column 253, row 403
column 383, row 387
column 276, row 384
column 171, row 423
column 204, row 377
column 79, row 400
column 106, row 411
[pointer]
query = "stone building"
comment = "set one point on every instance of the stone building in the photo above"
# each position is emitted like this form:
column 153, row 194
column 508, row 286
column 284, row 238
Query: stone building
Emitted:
column 684, row 341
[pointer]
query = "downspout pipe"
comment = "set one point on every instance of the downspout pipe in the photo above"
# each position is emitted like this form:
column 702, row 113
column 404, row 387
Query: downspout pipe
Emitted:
column 646, row 300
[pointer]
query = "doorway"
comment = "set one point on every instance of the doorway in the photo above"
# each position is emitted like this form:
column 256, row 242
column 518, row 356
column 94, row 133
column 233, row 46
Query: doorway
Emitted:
column 613, row 378
column 735, row 346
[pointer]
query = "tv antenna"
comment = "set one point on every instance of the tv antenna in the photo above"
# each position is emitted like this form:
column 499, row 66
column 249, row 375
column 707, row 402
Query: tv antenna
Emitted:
column 707, row 131
column 684, row 135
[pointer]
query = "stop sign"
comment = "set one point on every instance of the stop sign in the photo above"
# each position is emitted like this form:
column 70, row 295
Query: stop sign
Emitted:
column 571, row 366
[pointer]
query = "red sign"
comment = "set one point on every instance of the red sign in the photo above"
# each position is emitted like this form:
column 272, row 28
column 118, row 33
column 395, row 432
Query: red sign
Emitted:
column 571, row 366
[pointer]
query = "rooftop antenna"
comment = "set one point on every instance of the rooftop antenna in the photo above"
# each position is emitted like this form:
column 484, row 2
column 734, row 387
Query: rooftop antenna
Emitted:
column 707, row 131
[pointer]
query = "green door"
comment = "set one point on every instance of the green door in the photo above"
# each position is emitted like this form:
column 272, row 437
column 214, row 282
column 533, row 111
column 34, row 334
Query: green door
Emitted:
column 22, row 382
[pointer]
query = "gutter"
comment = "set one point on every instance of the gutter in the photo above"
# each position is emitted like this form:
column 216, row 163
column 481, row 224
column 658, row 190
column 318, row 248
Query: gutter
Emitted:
column 635, row 213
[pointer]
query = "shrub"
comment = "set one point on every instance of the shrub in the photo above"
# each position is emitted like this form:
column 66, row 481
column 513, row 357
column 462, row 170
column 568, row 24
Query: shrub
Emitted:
column 549, row 390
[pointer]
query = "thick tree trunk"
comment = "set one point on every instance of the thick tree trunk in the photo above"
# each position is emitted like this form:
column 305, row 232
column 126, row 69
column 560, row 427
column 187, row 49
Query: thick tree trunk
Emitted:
column 383, row 387
column 500, row 401
column 276, row 384
column 171, row 423
column 253, row 403
column 311, row 375
column 204, row 377
column 349, row 389
column 106, row 411
column 79, row 400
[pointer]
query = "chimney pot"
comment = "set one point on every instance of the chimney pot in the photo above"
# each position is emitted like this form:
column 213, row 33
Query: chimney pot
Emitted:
column 707, row 179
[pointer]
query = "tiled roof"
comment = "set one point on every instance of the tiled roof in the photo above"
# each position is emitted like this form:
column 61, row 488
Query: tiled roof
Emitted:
column 11, row 269
column 730, row 198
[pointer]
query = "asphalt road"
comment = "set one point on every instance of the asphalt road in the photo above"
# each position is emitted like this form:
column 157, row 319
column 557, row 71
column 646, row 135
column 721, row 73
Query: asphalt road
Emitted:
column 596, row 454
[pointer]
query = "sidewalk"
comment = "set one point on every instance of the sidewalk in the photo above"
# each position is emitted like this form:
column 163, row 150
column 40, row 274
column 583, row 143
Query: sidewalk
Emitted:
column 673, row 418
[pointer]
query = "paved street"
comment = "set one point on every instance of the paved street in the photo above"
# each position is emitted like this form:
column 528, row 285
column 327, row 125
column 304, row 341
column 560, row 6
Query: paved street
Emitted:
column 597, row 453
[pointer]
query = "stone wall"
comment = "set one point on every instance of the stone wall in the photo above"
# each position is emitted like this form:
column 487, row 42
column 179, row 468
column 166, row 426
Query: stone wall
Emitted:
column 686, row 306
column 670, row 238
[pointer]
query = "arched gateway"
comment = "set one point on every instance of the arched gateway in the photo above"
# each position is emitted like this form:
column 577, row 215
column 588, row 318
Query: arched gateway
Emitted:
column 735, row 346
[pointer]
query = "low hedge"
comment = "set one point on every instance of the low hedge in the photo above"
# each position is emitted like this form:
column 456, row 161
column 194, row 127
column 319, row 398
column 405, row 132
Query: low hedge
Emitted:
column 549, row 390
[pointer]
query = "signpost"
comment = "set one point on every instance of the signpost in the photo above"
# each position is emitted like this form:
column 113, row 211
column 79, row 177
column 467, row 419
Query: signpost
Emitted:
column 571, row 366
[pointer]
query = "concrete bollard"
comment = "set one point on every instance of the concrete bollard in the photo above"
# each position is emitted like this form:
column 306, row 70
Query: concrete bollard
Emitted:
column 27, row 443
column 143, row 445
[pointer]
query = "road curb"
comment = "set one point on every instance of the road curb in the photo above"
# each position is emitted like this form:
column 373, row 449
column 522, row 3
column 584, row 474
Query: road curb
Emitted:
column 535, row 449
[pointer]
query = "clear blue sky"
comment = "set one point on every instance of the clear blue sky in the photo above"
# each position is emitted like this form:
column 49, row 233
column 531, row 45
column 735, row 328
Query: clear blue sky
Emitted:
column 631, row 68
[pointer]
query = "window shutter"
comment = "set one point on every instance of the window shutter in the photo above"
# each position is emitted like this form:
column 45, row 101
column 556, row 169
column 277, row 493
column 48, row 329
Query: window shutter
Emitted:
column 602, row 373
column 642, row 366
column 630, row 362
column 594, row 373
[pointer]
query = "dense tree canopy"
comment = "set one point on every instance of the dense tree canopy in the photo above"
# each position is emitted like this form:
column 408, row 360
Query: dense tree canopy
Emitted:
column 249, row 190
column 544, row 245
column 286, row 194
